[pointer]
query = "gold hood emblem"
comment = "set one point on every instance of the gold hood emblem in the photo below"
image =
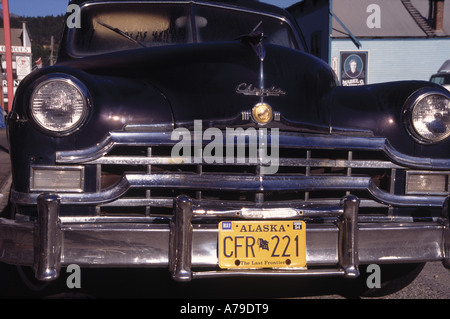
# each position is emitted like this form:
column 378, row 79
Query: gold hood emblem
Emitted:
column 262, row 113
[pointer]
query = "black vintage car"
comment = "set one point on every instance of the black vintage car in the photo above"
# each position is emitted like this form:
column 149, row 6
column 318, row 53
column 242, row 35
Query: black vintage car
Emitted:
column 200, row 136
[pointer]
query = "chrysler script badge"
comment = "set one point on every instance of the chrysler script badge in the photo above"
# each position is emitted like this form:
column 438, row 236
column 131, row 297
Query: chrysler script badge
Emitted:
column 249, row 89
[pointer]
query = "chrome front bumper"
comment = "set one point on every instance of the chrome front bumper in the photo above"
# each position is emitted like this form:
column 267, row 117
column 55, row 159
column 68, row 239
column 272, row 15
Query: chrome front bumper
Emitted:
column 188, row 244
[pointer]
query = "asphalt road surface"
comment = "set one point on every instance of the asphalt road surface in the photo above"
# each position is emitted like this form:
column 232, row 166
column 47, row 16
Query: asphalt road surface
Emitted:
column 432, row 283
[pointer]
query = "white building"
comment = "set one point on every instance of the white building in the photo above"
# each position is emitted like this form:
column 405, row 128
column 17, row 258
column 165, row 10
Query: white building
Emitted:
column 389, row 40
column 21, row 57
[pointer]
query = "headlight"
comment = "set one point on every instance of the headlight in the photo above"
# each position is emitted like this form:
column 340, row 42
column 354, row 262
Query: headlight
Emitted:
column 428, row 115
column 59, row 105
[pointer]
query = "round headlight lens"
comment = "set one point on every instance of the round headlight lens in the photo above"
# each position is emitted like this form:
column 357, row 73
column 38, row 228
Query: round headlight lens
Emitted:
column 430, row 117
column 59, row 105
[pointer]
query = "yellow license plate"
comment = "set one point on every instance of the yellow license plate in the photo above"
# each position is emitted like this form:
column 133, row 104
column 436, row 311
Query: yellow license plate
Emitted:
column 262, row 244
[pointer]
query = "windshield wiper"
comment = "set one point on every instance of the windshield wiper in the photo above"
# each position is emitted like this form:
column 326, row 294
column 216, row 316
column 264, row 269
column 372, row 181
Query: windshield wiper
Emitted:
column 254, row 36
column 120, row 32
column 255, row 39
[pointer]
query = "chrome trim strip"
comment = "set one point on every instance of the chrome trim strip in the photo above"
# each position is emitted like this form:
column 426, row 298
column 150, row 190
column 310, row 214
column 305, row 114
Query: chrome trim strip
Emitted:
column 136, row 202
column 286, row 140
column 404, row 201
column 164, row 160
column 267, row 273
column 79, row 156
column 232, row 183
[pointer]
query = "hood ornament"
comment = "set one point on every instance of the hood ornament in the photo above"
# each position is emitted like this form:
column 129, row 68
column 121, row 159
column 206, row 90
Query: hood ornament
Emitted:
column 255, row 38
column 262, row 112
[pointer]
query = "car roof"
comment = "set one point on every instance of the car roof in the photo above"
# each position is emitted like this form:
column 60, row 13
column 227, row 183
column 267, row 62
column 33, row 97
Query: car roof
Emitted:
column 445, row 68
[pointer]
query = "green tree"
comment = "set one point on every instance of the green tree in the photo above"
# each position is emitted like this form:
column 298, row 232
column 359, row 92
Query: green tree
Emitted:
column 41, row 30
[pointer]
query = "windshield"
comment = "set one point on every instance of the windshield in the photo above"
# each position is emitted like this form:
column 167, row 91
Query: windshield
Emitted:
column 123, row 26
column 441, row 79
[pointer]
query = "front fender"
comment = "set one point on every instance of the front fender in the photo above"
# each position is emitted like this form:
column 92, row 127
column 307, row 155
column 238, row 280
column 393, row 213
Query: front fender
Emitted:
column 115, row 103
column 379, row 108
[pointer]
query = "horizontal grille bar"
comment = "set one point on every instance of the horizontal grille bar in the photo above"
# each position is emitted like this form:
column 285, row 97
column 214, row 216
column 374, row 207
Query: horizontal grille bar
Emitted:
column 250, row 184
column 287, row 140
column 129, row 160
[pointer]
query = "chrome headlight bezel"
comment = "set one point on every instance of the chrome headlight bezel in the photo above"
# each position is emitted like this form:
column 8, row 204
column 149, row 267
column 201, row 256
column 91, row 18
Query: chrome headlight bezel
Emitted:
column 411, row 110
column 82, row 100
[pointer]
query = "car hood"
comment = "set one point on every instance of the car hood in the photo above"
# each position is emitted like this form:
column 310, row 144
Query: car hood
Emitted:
column 218, row 81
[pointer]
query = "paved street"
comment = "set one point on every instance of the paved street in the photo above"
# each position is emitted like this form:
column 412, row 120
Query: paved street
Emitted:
column 432, row 283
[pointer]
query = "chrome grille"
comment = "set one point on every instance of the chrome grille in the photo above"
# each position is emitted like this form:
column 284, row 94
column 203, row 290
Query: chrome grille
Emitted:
column 211, row 182
column 136, row 174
